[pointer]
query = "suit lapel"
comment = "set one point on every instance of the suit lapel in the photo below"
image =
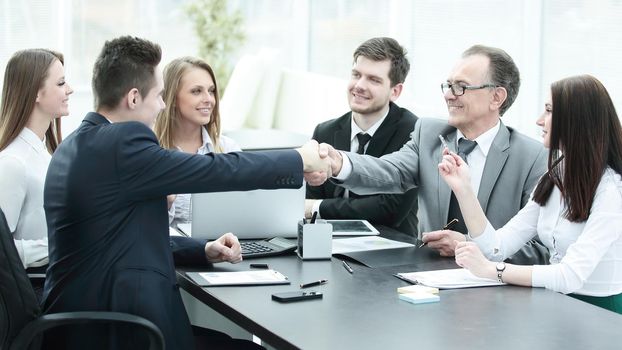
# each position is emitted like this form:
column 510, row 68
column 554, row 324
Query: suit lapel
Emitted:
column 495, row 161
column 341, row 137
column 444, row 192
column 384, row 133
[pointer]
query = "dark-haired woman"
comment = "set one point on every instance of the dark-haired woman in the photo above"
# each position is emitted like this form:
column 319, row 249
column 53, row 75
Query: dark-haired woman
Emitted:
column 576, row 209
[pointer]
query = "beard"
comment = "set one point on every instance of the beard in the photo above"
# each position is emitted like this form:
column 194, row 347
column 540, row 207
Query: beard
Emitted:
column 370, row 109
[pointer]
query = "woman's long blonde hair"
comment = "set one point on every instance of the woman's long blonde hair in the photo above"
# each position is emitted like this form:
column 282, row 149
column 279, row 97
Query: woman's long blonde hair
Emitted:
column 169, row 116
column 24, row 76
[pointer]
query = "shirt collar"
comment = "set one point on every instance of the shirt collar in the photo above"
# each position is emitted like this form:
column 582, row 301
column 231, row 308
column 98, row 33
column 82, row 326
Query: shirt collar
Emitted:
column 484, row 141
column 33, row 140
column 371, row 131
column 208, row 144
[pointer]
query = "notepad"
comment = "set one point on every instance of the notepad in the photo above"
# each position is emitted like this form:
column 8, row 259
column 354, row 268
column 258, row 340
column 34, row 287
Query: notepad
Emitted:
column 448, row 279
column 419, row 298
column 238, row 278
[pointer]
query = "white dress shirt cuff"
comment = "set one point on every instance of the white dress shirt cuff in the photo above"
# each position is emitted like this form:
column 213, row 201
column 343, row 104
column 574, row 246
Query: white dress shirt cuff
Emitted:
column 346, row 168
column 488, row 243
column 32, row 252
column 541, row 274
column 171, row 213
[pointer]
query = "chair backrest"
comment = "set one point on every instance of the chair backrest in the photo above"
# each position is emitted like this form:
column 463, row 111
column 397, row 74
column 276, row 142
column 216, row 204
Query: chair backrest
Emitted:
column 18, row 303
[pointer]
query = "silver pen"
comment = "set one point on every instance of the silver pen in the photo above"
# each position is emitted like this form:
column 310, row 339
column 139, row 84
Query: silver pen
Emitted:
column 443, row 141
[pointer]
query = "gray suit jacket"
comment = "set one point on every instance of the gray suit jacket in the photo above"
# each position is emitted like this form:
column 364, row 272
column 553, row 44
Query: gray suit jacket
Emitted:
column 513, row 167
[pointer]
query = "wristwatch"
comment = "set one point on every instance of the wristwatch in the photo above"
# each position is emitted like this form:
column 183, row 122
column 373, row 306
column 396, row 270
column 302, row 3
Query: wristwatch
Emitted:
column 500, row 269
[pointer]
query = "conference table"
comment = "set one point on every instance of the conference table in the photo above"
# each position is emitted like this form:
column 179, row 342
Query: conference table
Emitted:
column 361, row 310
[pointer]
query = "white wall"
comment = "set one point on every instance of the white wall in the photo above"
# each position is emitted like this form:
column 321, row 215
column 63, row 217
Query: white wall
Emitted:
column 549, row 39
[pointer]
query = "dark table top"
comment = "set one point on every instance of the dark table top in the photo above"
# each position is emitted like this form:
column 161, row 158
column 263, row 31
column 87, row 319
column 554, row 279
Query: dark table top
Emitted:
column 362, row 310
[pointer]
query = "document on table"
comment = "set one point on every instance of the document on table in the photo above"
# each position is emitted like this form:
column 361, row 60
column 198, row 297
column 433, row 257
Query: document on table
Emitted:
column 447, row 279
column 359, row 244
column 239, row 278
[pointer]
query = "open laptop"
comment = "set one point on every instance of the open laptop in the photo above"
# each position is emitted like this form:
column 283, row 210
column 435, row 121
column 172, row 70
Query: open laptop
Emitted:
column 255, row 214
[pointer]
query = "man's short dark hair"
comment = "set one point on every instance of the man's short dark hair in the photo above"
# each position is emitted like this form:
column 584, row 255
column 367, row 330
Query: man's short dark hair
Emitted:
column 124, row 63
column 501, row 72
column 380, row 49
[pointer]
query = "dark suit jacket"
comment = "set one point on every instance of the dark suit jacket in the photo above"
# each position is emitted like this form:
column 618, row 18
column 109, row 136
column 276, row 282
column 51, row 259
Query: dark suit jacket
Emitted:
column 105, row 203
column 395, row 210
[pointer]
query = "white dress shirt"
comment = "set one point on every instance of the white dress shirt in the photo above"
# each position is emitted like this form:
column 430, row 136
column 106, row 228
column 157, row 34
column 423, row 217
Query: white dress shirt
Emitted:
column 180, row 210
column 586, row 257
column 354, row 146
column 477, row 158
column 24, row 165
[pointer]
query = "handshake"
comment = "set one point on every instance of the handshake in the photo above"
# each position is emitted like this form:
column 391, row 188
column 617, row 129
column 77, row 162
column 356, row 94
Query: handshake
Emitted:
column 320, row 162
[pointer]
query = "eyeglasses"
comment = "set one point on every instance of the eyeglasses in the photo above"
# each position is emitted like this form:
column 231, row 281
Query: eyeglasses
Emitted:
column 458, row 89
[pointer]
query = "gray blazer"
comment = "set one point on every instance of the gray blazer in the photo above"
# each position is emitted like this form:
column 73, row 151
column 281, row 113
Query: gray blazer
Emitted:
column 513, row 167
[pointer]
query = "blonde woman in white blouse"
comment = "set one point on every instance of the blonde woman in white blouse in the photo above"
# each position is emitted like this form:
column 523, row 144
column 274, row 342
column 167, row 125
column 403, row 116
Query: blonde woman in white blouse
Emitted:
column 191, row 120
column 34, row 97
column 576, row 209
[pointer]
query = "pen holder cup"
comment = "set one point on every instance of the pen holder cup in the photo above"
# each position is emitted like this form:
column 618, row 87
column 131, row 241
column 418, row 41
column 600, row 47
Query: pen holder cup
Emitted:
column 315, row 241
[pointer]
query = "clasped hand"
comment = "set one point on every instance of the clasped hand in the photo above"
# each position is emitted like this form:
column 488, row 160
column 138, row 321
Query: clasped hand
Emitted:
column 225, row 248
column 469, row 256
column 321, row 161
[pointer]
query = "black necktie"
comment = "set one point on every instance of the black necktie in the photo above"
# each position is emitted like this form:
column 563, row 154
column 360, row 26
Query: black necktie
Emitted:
column 363, row 139
column 464, row 148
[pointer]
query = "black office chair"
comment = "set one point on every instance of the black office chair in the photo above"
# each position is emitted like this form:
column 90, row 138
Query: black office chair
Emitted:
column 21, row 322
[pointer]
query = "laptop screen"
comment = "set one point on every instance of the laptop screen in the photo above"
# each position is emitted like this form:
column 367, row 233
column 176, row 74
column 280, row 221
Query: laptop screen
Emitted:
column 254, row 214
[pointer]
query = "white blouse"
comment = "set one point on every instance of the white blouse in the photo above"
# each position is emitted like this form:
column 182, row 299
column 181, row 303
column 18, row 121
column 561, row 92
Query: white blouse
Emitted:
column 24, row 165
column 586, row 257
column 180, row 210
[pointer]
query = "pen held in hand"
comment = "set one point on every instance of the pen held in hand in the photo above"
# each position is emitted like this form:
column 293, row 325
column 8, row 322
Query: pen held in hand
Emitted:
column 313, row 284
column 447, row 226
column 443, row 141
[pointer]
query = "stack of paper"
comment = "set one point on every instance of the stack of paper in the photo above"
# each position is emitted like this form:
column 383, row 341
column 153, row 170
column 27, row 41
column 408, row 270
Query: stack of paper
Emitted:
column 360, row 244
column 448, row 279
column 239, row 278
column 418, row 294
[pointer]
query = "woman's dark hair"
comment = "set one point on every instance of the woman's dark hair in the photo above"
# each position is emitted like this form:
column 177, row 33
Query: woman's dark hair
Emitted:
column 586, row 138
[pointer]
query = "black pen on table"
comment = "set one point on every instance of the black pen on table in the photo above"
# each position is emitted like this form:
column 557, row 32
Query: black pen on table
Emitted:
column 346, row 266
column 446, row 227
column 313, row 284
column 260, row 266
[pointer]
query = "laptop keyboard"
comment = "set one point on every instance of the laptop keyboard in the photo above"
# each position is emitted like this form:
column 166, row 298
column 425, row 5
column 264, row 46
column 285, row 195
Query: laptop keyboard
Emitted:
column 267, row 247
column 249, row 248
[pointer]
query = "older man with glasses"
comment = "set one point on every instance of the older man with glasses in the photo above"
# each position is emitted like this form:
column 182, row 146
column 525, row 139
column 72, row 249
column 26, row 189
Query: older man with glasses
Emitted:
column 505, row 165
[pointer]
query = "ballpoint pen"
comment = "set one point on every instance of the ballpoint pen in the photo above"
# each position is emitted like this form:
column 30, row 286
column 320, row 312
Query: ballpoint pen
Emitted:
column 446, row 227
column 443, row 142
column 313, row 217
column 313, row 284
column 346, row 266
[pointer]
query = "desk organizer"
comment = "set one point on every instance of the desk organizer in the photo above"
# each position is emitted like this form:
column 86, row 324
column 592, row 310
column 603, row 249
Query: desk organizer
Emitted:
column 315, row 241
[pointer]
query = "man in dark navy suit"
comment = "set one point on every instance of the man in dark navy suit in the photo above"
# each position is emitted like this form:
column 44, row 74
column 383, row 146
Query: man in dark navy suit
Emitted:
column 105, row 202
column 375, row 126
